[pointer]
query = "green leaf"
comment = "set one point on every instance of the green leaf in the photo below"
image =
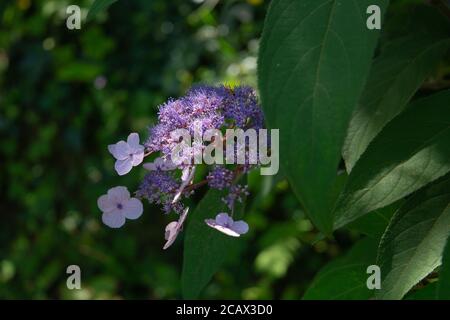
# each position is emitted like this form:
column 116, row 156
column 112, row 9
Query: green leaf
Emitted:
column 313, row 61
column 206, row 249
column 410, row 152
column 443, row 287
column 412, row 245
column 97, row 7
column 395, row 76
column 374, row 223
column 346, row 277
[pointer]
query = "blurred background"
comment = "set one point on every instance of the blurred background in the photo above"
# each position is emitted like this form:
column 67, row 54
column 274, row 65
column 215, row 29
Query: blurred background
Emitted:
column 66, row 94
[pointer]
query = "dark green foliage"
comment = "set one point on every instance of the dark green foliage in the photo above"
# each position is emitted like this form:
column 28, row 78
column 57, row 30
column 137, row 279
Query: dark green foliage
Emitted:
column 305, row 47
column 205, row 250
column 364, row 119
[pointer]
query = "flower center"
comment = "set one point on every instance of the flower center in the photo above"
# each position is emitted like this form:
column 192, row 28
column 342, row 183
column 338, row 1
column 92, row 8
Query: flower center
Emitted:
column 119, row 206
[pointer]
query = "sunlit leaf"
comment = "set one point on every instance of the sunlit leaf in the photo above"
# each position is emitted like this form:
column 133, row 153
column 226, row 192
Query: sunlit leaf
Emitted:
column 413, row 243
column 395, row 76
column 410, row 152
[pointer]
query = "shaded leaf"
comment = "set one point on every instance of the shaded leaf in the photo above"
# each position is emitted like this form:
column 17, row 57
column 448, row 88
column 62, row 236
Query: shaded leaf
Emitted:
column 394, row 78
column 206, row 249
column 346, row 277
column 374, row 223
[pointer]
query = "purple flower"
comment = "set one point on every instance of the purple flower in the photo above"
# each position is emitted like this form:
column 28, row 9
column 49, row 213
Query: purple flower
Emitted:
column 225, row 224
column 201, row 106
column 206, row 105
column 237, row 192
column 220, row 178
column 201, row 109
column 159, row 138
column 241, row 106
column 100, row 82
column 160, row 187
column 128, row 154
column 173, row 229
column 160, row 164
column 117, row 205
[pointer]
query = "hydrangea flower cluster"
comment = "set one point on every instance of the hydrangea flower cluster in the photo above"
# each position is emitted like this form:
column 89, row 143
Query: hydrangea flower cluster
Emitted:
column 220, row 178
column 167, row 183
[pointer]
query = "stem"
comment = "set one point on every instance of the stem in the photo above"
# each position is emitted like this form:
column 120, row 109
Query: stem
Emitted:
column 195, row 186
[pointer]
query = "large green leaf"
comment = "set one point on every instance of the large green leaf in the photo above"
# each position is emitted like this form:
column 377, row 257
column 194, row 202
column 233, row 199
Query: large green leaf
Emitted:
column 374, row 223
column 395, row 76
column 346, row 277
column 406, row 59
column 412, row 245
column 443, row 287
column 97, row 7
column 410, row 152
column 206, row 249
column 313, row 61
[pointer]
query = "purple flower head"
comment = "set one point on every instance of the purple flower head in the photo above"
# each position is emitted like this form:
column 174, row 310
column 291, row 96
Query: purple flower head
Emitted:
column 173, row 229
column 174, row 113
column 241, row 106
column 225, row 224
column 203, row 108
column 220, row 178
column 206, row 104
column 159, row 137
column 117, row 205
column 169, row 206
column 171, row 175
column 201, row 105
column 159, row 187
column 128, row 154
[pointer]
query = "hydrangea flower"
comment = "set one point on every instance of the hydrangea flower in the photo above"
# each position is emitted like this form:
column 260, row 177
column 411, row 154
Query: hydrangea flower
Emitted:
column 117, row 206
column 160, row 164
column 128, row 154
column 211, row 107
column 237, row 192
column 160, row 187
column 225, row 224
column 170, row 181
column 241, row 105
column 220, row 178
column 173, row 229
